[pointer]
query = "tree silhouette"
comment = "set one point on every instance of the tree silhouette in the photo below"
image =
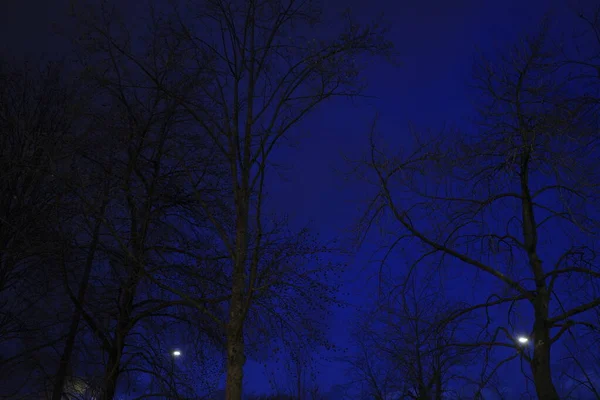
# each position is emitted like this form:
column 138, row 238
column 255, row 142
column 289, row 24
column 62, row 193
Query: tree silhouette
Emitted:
column 485, row 200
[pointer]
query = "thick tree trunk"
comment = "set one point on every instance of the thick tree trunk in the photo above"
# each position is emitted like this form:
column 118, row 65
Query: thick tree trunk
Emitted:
column 438, row 385
column 235, row 341
column 111, row 375
column 540, row 362
column 542, row 377
column 235, row 328
column 65, row 358
column 235, row 360
column 112, row 370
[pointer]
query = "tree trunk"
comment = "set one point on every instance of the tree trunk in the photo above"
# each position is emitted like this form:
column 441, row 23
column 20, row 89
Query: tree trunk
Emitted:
column 111, row 375
column 540, row 362
column 235, row 340
column 65, row 358
column 438, row 384
column 235, row 359
column 237, row 312
column 542, row 377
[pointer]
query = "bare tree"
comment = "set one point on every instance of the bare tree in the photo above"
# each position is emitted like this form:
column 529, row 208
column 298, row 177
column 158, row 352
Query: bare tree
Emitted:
column 90, row 200
column 38, row 111
column 266, row 76
column 254, row 75
column 300, row 374
column 35, row 121
column 516, row 201
column 136, row 214
column 142, row 241
column 406, row 345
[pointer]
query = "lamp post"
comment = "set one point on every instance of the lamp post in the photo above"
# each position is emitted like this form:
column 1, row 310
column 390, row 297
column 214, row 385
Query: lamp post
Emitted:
column 176, row 353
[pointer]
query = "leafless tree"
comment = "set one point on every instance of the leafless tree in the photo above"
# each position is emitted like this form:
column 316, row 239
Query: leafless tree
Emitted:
column 266, row 76
column 515, row 201
column 300, row 374
column 405, row 344
column 38, row 111
column 253, row 74
column 135, row 211
column 579, row 59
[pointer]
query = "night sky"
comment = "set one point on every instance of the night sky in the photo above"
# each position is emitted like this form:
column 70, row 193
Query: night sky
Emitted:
column 435, row 41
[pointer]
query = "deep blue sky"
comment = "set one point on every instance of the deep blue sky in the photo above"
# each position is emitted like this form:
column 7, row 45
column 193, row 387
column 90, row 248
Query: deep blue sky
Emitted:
column 435, row 40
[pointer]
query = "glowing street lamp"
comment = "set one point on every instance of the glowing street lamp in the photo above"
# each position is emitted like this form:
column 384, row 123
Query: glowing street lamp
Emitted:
column 176, row 353
column 522, row 339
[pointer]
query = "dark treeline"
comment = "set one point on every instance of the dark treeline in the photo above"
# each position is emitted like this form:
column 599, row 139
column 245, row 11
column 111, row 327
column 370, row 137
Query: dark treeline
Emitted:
column 134, row 215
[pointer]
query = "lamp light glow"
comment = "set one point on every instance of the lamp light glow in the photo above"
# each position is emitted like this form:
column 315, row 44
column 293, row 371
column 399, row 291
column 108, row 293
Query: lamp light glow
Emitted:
column 522, row 339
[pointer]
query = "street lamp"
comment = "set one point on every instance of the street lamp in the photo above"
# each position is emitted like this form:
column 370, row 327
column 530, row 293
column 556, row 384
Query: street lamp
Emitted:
column 522, row 339
column 175, row 354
